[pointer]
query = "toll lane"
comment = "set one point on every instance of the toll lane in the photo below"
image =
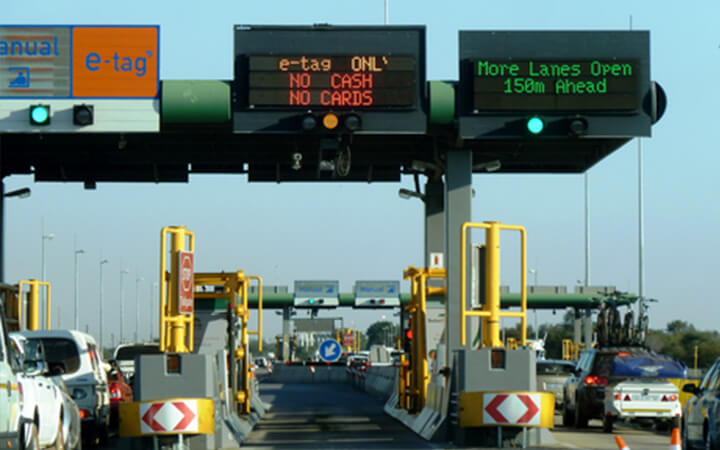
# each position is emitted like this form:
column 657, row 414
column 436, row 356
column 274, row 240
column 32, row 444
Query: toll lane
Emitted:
column 327, row 416
column 635, row 436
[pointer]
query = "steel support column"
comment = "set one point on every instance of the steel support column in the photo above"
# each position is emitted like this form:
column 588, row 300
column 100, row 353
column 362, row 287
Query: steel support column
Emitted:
column 286, row 327
column 434, row 221
column 588, row 327
column 458, row 197
column 577, row 326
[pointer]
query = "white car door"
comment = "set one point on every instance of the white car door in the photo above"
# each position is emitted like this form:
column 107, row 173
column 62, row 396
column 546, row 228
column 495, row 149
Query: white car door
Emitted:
column 49, row 410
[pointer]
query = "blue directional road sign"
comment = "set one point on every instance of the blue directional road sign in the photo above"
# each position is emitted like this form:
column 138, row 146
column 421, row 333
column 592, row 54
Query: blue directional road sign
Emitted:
column 330, row 351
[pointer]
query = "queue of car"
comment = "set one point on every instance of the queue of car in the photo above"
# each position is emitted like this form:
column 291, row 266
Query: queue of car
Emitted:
column 56, row 390
column 622, row 383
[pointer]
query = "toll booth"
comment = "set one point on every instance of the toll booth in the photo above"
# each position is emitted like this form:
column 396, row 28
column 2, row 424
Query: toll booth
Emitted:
column 198, row 393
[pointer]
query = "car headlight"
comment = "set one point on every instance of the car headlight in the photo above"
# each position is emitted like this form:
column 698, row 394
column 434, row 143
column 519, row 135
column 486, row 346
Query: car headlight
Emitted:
column 78, row 394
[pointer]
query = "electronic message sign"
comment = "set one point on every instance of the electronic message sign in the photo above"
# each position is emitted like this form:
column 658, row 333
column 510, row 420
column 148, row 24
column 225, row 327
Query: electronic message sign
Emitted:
column 546, row 85
column 348, row 81
column 523, row 84
column 329, row 80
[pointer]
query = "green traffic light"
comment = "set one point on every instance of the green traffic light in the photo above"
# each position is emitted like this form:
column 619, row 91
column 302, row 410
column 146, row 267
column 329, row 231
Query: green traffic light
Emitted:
column 40, row 114
column 535, row 125
column 311, row 301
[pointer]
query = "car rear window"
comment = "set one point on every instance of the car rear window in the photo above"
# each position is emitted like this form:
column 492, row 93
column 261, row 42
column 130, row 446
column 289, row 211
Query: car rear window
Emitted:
column 60, row 350
column 638, row 364
column 547, row 368
column 129, row 353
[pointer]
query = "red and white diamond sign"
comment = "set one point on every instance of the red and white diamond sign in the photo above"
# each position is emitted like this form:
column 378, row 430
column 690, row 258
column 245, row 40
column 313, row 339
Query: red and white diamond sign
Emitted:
column 519, row 409
column 169, row 417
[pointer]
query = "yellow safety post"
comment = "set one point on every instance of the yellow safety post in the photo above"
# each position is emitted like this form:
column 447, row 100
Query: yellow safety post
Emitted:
column 567, row 349
column 33, row 319
column 417, row 370
column 176, row 328
column 490, row 312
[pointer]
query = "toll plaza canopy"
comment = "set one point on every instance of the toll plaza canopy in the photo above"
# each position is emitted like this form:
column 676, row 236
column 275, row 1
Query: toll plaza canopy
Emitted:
column 318, row 103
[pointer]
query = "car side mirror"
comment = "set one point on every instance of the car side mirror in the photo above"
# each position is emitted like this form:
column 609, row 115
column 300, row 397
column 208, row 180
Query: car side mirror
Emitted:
column 690, row 388
column 33, row 368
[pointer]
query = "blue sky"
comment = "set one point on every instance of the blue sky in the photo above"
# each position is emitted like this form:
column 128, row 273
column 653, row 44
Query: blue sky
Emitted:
column 359, row 231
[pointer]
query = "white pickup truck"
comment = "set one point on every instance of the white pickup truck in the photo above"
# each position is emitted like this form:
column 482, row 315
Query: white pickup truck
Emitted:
column 650, row 399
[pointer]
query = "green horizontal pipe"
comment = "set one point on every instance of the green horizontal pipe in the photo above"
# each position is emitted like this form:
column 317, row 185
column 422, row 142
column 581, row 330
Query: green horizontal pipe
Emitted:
column 535, row 301
column 441, row 95
column 195, row 102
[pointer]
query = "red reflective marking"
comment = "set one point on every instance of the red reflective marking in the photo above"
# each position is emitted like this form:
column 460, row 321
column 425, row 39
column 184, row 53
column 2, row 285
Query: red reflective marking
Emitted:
column 532, row 408
column 491, row 408
column 149, row 417
column 187, row 413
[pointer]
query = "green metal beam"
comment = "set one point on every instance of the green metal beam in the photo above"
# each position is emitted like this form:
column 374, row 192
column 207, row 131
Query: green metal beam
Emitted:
column 535, row 301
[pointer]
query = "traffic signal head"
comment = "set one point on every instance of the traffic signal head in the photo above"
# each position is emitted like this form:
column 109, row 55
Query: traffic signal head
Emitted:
column 535, row 125
column 40, row 115
column 331, row 122
column 83, row 115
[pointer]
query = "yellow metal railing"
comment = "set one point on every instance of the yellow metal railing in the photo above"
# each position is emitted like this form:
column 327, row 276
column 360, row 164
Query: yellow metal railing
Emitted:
column 490, row 312
column 236, row 286
column 33, row 319
column 176, row 328
column 571, row 350
column 414, row 377
column 258, row 332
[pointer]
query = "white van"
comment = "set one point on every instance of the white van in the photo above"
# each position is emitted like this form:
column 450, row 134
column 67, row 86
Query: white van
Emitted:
column 10, row 395
column 76, row 354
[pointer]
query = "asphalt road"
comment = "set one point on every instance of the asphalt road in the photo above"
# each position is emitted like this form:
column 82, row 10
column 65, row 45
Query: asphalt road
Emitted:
column 336, row 416
column 327, row 416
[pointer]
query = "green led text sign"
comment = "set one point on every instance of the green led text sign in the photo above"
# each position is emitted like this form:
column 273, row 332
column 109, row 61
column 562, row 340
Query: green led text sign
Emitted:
column 545, row 85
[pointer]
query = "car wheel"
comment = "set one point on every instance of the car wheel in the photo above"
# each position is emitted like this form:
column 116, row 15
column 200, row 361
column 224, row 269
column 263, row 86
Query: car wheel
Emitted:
column 30, row 439
column 568, row 417
column 581, row 420
column 608, row 424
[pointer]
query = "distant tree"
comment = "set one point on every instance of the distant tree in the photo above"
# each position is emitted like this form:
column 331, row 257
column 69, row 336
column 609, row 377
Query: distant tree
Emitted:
column 382, row 333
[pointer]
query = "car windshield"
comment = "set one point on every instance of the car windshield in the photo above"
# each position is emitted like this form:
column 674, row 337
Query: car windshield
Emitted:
column 554, row 368
column 130, row 352
column 60, row 351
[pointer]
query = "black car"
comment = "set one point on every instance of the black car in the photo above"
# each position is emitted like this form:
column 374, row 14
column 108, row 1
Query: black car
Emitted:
column 584, row 390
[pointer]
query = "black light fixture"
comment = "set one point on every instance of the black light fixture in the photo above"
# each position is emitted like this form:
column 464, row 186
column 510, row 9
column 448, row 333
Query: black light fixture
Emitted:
column 83, row 115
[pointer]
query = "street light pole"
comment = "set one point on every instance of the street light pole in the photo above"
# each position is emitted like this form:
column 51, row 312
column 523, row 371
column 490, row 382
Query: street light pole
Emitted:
column 45, row 237
column 153, row 305
column 122, row 304
column 137, row 307
column 77, row 284
column 104, row 261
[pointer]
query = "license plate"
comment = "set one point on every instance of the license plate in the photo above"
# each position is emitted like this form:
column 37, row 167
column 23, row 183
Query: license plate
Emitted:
column 646, row 398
